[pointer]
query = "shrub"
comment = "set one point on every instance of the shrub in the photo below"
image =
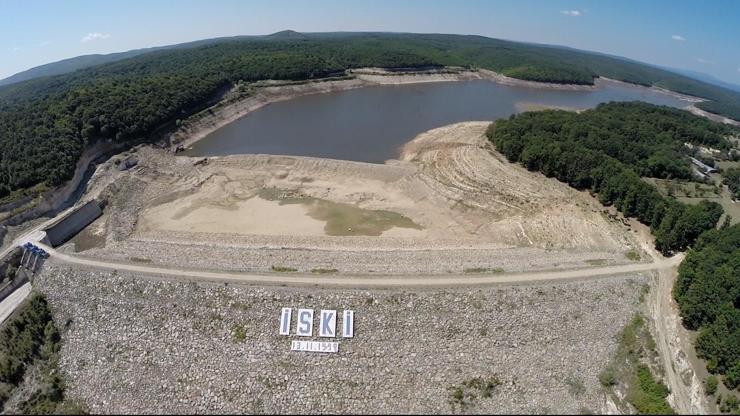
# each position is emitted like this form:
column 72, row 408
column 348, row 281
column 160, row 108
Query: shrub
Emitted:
column 710, row 385
column 649, row 395
column 608, row 377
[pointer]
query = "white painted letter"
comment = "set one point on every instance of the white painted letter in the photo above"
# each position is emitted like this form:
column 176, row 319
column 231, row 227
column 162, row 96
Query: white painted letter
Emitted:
column 304, row 325
column 328, row 324
column 348, row 324
column 285, row 321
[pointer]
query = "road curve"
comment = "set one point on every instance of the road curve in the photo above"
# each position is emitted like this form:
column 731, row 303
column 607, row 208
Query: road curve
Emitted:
column 362, row 281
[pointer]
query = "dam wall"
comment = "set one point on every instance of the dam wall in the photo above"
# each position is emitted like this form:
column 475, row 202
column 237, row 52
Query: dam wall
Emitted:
column 64, row 229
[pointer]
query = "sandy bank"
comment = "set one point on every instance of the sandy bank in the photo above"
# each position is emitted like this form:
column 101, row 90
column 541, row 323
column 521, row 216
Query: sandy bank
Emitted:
column 450, row 203
column 715, row 117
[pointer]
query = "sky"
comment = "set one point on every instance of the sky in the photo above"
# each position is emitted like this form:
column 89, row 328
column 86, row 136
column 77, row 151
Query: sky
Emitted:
column 695, row 35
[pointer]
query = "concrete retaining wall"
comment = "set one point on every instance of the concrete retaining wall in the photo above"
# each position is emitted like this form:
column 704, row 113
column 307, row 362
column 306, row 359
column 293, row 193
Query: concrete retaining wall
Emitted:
column 20, row 279
column 67, row 227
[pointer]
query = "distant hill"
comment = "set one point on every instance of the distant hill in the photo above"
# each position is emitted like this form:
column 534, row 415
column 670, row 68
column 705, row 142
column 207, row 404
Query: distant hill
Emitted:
column 66, row 66
column 709, row 79
column 286, row 34
column 72, row 64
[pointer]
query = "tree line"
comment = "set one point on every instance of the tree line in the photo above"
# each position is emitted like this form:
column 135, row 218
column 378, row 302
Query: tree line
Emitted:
column 708, row 294
column 608, row 150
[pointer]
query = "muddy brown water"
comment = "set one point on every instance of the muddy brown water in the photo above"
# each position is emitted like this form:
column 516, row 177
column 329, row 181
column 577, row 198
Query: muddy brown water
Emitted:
column 371, row 124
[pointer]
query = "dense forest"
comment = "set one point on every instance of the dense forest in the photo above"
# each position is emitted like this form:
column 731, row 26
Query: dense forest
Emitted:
column 45, row 123
column 708, row 295
column 609, row 149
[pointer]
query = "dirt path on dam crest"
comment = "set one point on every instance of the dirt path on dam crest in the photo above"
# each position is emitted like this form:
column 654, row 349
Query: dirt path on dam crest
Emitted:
column 277, row 279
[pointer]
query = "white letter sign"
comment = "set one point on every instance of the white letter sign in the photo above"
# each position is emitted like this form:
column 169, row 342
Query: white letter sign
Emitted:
column 328, row 324
column 285, row 321
column 348, row 324
column 304, row 325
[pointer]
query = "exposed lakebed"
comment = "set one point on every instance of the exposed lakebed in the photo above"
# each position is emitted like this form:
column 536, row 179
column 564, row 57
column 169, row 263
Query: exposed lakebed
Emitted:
column 371, row 124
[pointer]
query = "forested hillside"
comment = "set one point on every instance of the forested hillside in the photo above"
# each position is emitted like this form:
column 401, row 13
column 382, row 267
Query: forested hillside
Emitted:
column 708, row 295
column 45, row 123
column 609, row 149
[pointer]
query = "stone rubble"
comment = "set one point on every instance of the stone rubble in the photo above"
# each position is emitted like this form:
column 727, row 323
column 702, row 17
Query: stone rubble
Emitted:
column 136, row 344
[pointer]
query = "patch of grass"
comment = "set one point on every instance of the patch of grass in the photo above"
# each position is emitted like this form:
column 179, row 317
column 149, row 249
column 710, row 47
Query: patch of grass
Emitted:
column 576, row 387
column 241, row 305
column 141, row 259
column 596, row 262
column 283, row 269
column 608, row 377
column 484, row 270
column 239, row 333
column 469, row 391
column 648, row 395
column 632, row 255
column 710, row 385
column 324, row 271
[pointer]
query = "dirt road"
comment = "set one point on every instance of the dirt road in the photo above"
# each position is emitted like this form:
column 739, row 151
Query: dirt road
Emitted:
column 364, row 282
column 8, row 305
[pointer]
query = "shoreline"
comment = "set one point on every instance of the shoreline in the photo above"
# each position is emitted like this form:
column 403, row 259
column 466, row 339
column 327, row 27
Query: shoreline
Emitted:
column 224, row 113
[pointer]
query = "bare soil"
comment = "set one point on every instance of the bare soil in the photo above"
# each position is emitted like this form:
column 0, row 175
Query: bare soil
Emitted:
column 450, row 197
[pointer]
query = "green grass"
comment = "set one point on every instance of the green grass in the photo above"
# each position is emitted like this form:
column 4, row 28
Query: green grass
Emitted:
column 608, row 377
column 710, row 385
column 693, row 193
column 241, row 306
column 575, row 384
column 467, row 393
column 324, row 271
column 239, row 333
column 283, row 269
column 632, row 255
column 646, row 393
column 484, row 270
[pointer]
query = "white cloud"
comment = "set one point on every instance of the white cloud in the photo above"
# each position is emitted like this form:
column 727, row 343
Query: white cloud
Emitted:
column 704, row 61
column 574, row 13
column 738, row 69
column 14, row 49
column 94, row 36
column 678, row 38
column 45, row 43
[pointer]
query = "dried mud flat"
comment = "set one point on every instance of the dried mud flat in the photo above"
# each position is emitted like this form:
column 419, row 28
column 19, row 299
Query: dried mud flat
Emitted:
column 134, row 345
column 450, row 204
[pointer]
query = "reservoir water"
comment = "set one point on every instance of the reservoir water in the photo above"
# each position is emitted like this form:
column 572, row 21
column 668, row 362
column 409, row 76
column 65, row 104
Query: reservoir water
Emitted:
column 371, row 124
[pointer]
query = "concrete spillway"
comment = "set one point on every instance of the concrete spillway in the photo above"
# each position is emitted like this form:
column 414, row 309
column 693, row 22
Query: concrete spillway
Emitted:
column 71, row 224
